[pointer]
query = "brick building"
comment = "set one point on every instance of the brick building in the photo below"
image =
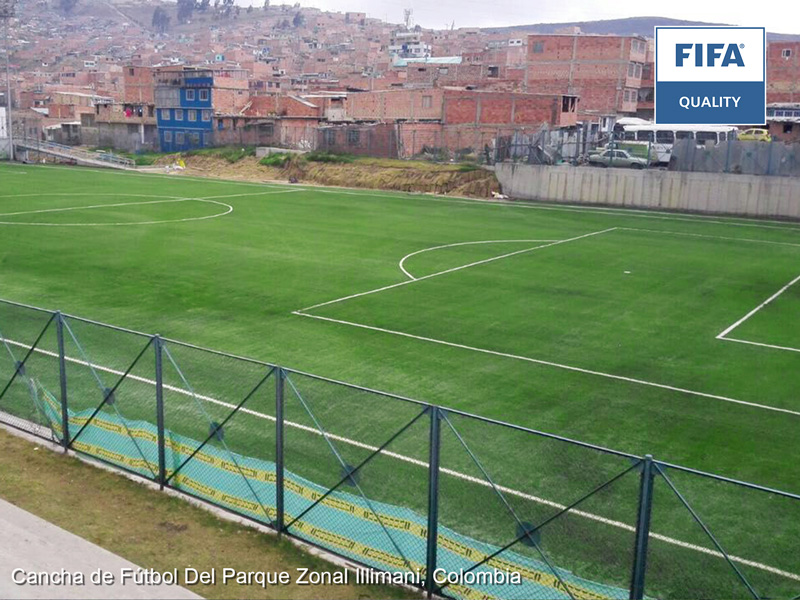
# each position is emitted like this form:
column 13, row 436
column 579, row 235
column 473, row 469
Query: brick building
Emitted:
column 783, row 72
column 605, row 71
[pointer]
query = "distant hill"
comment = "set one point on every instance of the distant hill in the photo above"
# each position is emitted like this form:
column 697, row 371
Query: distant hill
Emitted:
column 631, row 26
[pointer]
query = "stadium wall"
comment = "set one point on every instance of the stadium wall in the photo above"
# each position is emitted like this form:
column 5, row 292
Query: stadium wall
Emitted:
column 710, row 193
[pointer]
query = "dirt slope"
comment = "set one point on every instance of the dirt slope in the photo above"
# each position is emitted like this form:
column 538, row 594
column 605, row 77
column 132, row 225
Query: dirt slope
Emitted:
column 365, row 173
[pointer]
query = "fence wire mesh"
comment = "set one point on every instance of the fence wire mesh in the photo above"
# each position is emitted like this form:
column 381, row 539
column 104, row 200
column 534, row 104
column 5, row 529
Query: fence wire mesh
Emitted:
column 355, row 472
column 714, row 538
column 29, row 372
column 390, row 483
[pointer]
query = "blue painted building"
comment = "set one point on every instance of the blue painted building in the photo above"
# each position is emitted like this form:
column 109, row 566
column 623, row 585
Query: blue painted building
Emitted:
column 184, row 109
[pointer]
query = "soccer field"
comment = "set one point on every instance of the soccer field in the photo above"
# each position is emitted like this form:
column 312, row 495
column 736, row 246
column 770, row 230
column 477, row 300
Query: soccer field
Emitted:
column 600, row 325
column 668, row 334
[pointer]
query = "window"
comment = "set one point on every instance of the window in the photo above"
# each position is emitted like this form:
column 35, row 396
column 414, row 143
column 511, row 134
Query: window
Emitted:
column 647, row 71
column 168, row 136
column 330, row 137
column 684, row 135
column 665, row 137
column 190, row 95
column 180, row 138
column 191, row 115
column 194, row 138
column 786, row 53
column 206, row 115
column 353, row 137
column 494, row 71
column 629, row 136
column 267, row 129
column 538, row 47
column 203, row 95
column 179, row 114
column 131, row 71
column 631, row 69
column 165, row 114
column 706, row 136
column 427, row 101
column 443, row 70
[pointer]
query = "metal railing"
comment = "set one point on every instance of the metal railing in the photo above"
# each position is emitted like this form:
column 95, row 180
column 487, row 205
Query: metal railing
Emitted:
column 450, row 500
column 75, row 153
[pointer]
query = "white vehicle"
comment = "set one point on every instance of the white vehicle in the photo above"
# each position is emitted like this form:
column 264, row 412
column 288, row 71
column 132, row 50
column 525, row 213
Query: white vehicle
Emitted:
column 660, row 138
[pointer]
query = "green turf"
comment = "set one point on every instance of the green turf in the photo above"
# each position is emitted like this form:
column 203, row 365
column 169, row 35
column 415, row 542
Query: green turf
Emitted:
column 643, row 305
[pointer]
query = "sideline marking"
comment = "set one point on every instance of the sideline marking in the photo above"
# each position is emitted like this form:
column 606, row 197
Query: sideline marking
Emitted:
column 414, row 461
column 454, row 269
column 553, row 364
column 714, row 237
column 604, row 210
column 407, row 256
column 162, row 200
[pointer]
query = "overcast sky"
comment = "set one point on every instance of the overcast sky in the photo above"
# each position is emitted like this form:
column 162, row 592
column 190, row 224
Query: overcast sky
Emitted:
column 486, row 13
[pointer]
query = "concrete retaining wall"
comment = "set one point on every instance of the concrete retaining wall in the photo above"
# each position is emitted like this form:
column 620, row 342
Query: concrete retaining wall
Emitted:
column 712, row 193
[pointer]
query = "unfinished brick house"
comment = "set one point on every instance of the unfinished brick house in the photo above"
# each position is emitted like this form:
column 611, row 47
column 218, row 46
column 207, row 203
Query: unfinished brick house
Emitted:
column 783, row 72
column 604, row 71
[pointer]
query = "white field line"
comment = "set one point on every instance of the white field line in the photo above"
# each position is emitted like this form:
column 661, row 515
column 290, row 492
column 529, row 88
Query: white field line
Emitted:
column 94, row 206
column 604, row 210
column 161, row 200
column 252, row 194
column 423, row 464
column 228, row 210
column 554, row 364
column 162, row 175
column 714, row 237
column 722, row 335
column 407, row 256
column 762, row 345
column 454, row 269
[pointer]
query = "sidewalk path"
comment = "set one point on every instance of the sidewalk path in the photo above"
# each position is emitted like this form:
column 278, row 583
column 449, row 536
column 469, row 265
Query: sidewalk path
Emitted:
column 30, row 543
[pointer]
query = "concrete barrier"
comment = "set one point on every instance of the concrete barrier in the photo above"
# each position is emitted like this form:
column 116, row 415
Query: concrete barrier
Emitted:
column 709, row 193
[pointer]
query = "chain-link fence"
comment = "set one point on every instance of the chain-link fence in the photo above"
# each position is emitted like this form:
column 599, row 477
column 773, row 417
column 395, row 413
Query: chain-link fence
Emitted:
column 459, row 505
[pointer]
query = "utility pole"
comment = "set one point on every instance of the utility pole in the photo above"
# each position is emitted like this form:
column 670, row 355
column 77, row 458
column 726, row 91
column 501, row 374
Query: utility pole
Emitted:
column 6, row 12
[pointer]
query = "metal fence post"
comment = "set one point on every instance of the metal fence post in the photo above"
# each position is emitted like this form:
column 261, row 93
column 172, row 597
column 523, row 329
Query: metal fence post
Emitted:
column 62, row 376
column 433, row 500
column 769, row 158
column 642, row 529
column 162, row 462
column 729, row 145
column 279, row 487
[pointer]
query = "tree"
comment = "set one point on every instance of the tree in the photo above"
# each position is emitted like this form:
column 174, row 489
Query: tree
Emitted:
column 185, row 10
column 298, row 20
column 266, row 4
column 67, row 6
column 202, row 5
column 160, row 20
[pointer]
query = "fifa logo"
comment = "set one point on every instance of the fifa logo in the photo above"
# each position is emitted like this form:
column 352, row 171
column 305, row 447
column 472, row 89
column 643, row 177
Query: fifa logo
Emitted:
column 732, row 55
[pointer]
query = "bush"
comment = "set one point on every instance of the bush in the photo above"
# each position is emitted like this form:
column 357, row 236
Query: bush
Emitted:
column 329, row 157
column 277, row 159
column 232, row 154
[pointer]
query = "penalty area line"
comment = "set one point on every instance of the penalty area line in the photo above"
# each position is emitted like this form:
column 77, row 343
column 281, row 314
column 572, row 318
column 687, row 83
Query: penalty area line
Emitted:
column 454, row 269
column 774, row 296
column 548, row 363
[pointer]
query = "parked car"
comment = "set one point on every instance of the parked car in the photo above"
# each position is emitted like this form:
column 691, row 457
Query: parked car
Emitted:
column 755, row 135
column 617, row 158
